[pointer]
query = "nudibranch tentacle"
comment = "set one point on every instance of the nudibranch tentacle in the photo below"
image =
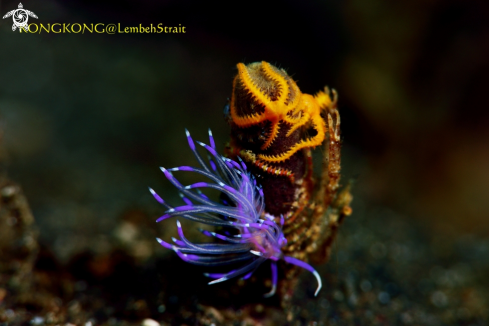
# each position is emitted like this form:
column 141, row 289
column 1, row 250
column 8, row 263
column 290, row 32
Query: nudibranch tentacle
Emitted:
column 257, row 237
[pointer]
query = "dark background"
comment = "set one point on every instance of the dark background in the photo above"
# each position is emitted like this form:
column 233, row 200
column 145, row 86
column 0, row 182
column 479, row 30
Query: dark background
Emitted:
column 88, row 119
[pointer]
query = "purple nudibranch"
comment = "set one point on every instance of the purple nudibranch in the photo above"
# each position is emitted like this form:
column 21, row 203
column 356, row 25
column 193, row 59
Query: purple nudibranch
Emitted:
column 258, row 237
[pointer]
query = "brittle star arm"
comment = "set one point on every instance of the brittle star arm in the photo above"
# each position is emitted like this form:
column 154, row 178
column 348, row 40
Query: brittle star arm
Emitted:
column 244, row 121
column 273, row 133
column 280, row 80
column 318, row 125
column 309, row 107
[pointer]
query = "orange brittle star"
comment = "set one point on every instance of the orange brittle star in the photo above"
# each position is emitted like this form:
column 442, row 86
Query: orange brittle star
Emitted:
column 295, row 111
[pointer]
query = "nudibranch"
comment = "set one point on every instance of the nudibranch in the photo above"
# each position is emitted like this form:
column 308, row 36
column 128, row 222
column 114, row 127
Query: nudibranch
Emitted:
column 255, row 236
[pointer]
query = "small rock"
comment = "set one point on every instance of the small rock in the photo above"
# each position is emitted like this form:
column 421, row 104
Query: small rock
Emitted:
column 149, row 322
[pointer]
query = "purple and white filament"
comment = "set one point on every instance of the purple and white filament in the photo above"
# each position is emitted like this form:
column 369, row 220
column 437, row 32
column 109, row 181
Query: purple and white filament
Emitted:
column 258, row 237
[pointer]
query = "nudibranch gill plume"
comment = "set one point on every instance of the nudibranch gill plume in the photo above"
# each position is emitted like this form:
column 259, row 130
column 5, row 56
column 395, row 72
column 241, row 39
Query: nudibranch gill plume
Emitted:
column 253, row 236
